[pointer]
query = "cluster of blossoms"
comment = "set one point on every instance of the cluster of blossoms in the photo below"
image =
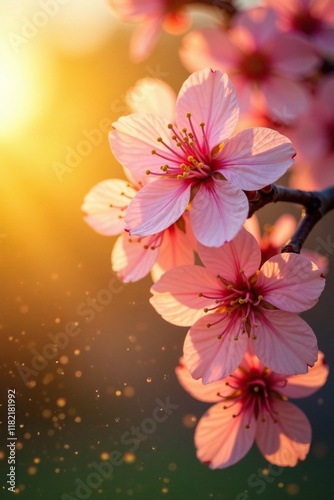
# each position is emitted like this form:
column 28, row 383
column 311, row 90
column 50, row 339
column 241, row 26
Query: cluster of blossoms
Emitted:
column 192, row 173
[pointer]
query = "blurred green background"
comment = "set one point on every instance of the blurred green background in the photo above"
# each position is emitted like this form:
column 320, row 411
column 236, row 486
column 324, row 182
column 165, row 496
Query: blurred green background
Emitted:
column 57, row 85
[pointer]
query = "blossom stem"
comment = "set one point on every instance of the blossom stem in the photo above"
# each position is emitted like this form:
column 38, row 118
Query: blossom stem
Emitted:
column 316, row 204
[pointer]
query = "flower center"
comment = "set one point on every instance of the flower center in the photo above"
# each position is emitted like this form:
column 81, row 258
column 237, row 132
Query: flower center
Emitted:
column 240, row 303
column 257, row 391
column 306, row 23
column 255, row 66
column 189, row 157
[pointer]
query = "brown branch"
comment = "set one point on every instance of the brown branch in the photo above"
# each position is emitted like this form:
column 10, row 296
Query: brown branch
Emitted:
column 316, row 204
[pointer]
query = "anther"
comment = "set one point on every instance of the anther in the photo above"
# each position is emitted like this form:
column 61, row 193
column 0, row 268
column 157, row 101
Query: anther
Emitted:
column 148, row 172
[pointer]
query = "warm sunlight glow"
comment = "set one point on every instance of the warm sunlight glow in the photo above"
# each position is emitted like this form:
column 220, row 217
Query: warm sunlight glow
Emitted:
column 23, row 90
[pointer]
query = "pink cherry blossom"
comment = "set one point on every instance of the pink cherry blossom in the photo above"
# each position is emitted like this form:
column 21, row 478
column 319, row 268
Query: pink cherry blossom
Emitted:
column 133, row 257
column 313, row 136
column 251, row 405
column 151, row 15
column 194, row 160
column 265, row 65
column 232, row 304
column 276, row 235
column 105, row 206
column 313, row 19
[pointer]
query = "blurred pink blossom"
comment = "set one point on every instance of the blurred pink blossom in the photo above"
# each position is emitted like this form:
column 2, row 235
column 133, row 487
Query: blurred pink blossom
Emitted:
column 251, row 405
column 196, row 160
column 152, row 16
column 313, row 137
column 266, row 65
column 313, row 19
column 232, row 304
column 278, row 234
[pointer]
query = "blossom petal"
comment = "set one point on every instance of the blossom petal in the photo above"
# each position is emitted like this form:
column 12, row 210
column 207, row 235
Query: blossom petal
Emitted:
column 293, row 56
column 300, row 386
column 210, row 393
column 218, row 212
column 202, row 48
column 177, row 298
column 135, row 136
column 285, row 343
column 259, row 22
column 105, row 206
column 212, row 353
column 242, row 253
column 157, row 206
column 131, row 261
column 286, row 100
column 255, row 157
column 151, row 95
column 176, row 249
column 210, row 98
column 145, row 37
column 222, row 440
column 290, row 282
column 286, row 441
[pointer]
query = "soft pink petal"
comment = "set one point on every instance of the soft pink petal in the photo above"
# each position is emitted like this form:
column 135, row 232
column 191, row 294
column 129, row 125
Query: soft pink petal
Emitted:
column 222, row 440
column 135, row 136
column 176, row 249
column 157, row 206
column 218, row 212
column 282, row 230
column 286, row 441
column 105, row 206
column 134, row 10
column 290, row 282
column 300, row 386
column 255, row 157
column 145, row 37
column 252, row 225
column 209, row 393
column 210, row 98
column 321, row 261
column 209, row 357
column 131, row 261
column 324, row 40
column 293, row 56
column 260, row 22
column 284, row 6
column 242, row 253
column 154, row 96
column 325, row 102
column 285, row 343
column 286, row 100
column 202, row 49
column 176, row 295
